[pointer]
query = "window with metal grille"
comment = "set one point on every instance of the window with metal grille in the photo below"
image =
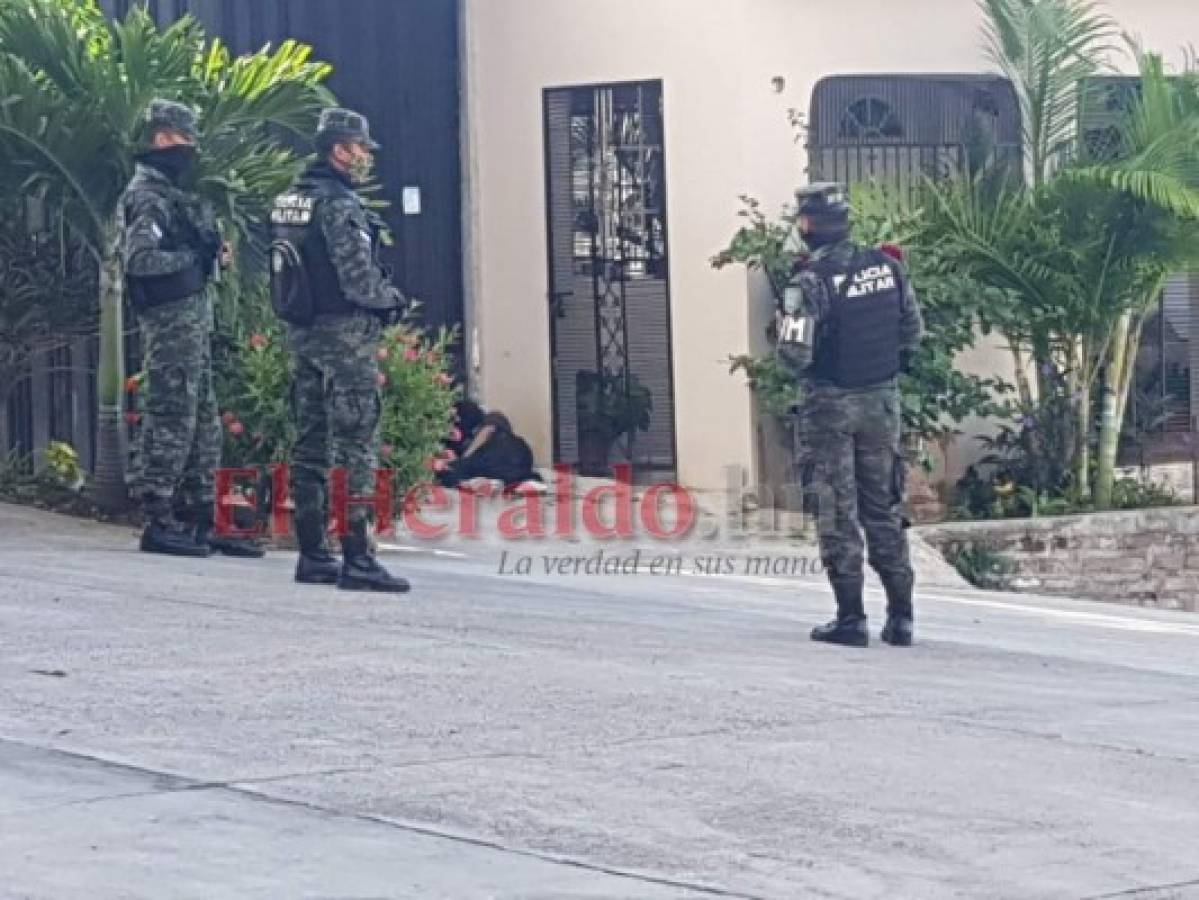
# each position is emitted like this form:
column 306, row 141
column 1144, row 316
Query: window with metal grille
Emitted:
column 901, row 129
column 870, row 118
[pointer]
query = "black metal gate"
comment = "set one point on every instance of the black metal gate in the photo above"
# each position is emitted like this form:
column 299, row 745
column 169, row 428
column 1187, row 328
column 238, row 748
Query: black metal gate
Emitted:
column 609, row 279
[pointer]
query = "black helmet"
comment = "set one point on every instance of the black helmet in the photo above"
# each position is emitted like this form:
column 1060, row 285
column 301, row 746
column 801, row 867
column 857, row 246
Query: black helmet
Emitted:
column 823, row 213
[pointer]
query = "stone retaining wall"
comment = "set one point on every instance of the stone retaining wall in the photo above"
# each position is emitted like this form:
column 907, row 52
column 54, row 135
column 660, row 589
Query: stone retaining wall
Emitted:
column 1148, row 557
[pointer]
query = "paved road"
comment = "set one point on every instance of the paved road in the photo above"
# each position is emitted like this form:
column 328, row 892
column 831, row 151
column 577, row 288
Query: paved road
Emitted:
column 208, row 729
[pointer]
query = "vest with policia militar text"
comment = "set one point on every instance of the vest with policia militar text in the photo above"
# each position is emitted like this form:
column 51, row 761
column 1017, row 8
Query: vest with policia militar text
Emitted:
column 304, row 282
column 859, row 340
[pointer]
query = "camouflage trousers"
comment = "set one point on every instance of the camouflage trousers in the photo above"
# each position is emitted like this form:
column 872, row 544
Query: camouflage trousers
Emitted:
column 853, row 470
column 180, row 447
column 337, row 407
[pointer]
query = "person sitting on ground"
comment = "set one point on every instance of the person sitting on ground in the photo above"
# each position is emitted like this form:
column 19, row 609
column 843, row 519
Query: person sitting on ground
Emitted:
column 494, row 452
column 468, row 416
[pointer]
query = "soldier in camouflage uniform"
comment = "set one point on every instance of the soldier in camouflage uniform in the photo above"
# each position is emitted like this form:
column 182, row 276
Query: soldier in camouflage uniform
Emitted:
column 332, row 242
column 171, row 251
column 849, row 326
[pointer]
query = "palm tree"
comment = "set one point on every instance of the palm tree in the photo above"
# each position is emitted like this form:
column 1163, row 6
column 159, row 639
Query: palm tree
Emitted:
column 1085, row 247
column 1047, row 48
column 1156, row 175
column 75, row 86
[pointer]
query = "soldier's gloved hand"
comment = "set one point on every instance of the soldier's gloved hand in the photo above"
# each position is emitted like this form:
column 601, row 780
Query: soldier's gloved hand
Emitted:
column 394, row 314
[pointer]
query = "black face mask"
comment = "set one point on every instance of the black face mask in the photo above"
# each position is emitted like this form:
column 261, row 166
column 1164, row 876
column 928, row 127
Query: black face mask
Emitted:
column 823, row 237
column 173, row 162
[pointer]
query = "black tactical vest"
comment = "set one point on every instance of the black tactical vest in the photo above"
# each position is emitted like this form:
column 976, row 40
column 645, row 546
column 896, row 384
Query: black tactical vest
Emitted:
column 858, row 345
column 180, row 233
column 293, row 219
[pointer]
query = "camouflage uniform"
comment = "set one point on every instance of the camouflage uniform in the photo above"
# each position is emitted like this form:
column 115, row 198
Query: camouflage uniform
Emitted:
column 336, row 397
column 168, row 234
column 337, row 407
column 850, row 455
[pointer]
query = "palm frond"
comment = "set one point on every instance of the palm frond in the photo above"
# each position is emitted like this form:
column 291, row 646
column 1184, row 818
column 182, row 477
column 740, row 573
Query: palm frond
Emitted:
column 1047, row 48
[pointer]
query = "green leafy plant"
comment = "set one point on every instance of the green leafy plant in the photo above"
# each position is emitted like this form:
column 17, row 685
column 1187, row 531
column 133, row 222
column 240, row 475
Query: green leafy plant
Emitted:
column 608, row 406
column 62, row 464
column 1133, row 493
column 771, row 246
column 611, row 405
column 980, row 564
column 776, row 389
column 56, row 485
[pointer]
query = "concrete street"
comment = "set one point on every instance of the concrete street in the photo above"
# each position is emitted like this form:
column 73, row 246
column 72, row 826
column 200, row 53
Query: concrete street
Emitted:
column 208, row 729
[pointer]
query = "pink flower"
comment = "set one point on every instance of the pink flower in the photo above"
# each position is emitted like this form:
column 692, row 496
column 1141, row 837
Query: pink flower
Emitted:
column 236, row 428
column 381, row 379
column 411, row 354
column 259, row 341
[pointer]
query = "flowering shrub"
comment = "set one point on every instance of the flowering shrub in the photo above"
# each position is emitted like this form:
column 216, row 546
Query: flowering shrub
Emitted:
column 253, row 394
column 418, row 403
column 253, row 391
column 252, row 371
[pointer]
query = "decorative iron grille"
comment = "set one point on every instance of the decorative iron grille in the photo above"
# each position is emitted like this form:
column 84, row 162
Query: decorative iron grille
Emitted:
column 609, row 269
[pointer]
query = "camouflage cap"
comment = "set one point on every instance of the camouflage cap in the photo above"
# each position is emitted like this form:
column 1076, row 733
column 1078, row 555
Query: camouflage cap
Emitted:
column 345, row 124
column 169, row 114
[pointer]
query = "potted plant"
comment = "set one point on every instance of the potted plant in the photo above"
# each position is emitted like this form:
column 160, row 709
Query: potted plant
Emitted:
column 608, row 406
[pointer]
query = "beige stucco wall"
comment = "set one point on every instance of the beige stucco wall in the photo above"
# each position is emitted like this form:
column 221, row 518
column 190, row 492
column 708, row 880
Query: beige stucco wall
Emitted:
column 726, row 133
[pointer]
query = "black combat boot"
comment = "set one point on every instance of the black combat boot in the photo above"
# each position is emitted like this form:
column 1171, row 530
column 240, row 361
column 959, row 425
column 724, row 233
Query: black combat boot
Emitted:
column 360, row 571
column 316, row 564
column 849, row 628
column 230, row 546
column 166, row 534
column 318, row 567
column 898, row 630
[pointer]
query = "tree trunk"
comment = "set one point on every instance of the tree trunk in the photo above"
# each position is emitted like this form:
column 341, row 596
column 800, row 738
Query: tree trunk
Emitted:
column 1082, row 444
column 1079, row 385
column 1109, row 422
column 110, row 489
column 1125, row 388
column 1023, row 387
